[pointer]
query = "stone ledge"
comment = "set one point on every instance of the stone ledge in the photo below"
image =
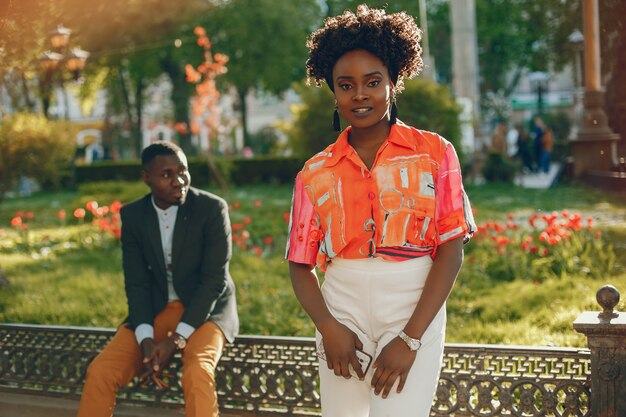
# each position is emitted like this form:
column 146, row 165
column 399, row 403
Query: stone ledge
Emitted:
column 28, row 405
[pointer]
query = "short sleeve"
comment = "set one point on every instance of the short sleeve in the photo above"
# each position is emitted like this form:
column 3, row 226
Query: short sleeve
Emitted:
column 454, row 213
column 305, row 235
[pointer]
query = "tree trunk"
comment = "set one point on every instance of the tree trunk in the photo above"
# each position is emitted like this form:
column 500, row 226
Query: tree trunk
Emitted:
column 243, row 109
column 29, row 103
column 139, row 112
column 180, row 99
column 134, row 122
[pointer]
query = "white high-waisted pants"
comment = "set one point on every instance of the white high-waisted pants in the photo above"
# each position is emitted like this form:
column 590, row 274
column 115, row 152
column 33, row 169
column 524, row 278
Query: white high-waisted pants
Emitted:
column 375, row 298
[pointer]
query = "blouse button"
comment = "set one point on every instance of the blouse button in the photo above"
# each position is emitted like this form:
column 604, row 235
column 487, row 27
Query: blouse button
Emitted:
column 371, row 195
column 301, row 225
column 300, row 238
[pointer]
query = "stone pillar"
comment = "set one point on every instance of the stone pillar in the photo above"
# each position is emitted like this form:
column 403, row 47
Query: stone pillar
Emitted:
column 465, row 66
column 595, row 147
column 428, row 71
column 606, row 338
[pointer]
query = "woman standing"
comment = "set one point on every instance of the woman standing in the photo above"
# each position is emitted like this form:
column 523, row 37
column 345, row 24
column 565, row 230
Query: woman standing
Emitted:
column 383, row 212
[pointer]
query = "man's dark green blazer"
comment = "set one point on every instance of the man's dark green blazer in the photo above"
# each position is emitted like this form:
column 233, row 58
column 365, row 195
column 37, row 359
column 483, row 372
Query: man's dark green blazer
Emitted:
column 201, row 251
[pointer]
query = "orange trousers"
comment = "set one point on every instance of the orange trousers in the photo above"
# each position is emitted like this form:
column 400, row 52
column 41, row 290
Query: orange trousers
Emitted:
column 121, row 360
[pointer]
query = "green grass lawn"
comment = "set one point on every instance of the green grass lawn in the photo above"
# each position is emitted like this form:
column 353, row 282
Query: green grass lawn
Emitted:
column 71, row 275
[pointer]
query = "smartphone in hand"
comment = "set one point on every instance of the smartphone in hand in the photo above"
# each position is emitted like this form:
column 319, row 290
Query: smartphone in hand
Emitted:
column 365, row 359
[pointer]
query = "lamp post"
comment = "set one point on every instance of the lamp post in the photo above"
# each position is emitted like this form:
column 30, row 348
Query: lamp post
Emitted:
column 539, row 79
column 52, row 63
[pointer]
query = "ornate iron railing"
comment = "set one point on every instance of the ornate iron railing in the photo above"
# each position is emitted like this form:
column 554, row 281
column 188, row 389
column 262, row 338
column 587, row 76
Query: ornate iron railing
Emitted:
column 278, row 375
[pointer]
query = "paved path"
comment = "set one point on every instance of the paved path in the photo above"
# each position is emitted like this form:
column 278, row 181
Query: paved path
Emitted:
column 539, row 180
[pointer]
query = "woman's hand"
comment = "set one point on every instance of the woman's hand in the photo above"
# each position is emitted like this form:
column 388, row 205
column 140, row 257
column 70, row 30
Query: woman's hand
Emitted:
column 340, row 344
column 394, row 361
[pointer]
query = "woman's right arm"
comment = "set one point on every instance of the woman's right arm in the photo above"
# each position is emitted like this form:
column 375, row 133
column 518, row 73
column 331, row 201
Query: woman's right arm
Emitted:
column 339, row 341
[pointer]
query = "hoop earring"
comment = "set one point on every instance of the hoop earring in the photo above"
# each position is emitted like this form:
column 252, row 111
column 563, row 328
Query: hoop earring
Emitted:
column 394, row 112
column 336, row 121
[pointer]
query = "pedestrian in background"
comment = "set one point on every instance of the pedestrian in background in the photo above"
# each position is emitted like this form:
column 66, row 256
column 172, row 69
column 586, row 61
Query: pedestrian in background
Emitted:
column 498, row 140
column 547, row 146
column 538, row 129
column 524, row 148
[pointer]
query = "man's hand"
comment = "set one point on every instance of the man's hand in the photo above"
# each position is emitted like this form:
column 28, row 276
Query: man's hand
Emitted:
column 395, row 361
column 156, row 360
column 149, row 359
column 163, row 353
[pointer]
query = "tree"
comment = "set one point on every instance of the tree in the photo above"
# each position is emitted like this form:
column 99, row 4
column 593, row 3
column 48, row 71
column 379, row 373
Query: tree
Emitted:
column 133, row 39
column 312, row 127
column 204, row 103
column 265, row 40
column 32, row 146
column 430, row 106
column 513, row 36
column 335, row 7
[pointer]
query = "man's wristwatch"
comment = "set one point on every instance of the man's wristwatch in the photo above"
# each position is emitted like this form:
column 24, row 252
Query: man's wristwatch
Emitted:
column 179, row 341
column 413, row 344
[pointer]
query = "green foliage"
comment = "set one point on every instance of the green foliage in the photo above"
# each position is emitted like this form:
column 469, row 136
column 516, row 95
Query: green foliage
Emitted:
column 312, row 127
column 32, row 146
column 497, row 168
column 265, row 170
column 107, row 191
column 511, row 36
column 265, row 141
column 266, row 43
column 519, row 312
column 427, row 105
column 560, row 123
column 241, row 29
column 239, row 171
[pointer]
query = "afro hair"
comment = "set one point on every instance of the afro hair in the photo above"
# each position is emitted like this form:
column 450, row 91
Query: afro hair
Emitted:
column 394, row 38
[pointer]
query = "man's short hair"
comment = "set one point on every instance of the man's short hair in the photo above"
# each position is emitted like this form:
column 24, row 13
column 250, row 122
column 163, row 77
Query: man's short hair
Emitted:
column 158, row 148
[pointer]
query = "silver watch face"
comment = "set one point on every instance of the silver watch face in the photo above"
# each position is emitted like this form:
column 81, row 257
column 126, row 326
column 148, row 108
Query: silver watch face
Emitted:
column 413, row 344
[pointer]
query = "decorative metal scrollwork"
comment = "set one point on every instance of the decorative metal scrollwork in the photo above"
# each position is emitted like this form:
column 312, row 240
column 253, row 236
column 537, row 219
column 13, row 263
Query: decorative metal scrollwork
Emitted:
column 276, row 375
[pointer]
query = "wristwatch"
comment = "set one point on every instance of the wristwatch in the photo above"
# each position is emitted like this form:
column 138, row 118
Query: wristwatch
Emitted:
column 179, row 341
column 413, row 344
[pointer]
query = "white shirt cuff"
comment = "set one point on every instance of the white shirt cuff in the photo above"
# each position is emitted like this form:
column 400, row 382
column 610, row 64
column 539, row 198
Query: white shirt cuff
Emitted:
column 184, row 330
column 144, row 331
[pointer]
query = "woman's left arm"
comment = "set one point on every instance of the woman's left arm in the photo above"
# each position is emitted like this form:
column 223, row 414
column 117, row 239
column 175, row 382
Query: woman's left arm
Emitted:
column 396, row 359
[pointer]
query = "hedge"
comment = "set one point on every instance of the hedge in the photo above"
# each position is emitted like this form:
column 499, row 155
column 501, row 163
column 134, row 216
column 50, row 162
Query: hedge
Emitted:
column 237, row 171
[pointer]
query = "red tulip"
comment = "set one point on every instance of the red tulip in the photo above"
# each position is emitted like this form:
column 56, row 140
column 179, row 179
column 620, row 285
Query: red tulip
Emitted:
column 91, row 205
column 79, row 213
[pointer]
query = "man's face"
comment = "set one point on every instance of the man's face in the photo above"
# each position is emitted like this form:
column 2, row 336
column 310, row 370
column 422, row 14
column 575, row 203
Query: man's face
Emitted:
column 168, row 178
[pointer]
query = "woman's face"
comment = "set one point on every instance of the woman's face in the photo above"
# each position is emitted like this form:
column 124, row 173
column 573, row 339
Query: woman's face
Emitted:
column 362, row 89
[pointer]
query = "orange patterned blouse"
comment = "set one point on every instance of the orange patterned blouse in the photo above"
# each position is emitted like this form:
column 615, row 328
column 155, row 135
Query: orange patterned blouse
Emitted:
column 411, row 201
